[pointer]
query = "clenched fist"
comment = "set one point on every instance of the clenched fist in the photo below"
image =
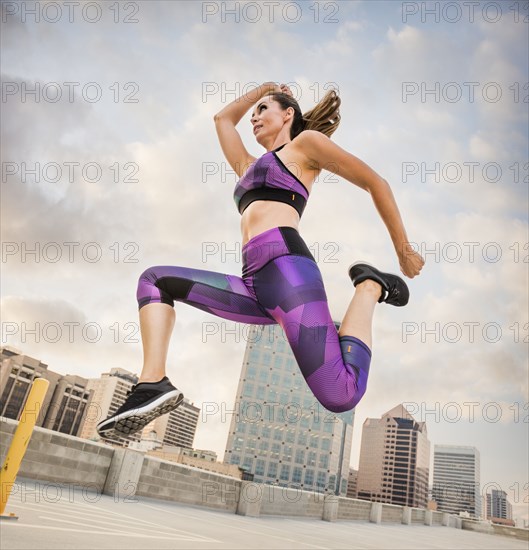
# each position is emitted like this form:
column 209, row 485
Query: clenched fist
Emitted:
column 411, row 262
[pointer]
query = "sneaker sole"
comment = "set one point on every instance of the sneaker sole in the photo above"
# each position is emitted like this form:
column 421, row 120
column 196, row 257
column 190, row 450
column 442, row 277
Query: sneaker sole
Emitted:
column 132, row 421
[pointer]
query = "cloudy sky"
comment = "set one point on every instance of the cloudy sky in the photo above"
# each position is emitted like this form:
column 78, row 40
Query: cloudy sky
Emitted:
column 110, row 164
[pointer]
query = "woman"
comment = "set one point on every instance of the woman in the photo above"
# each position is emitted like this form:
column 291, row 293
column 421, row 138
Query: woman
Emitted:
column 280, row 283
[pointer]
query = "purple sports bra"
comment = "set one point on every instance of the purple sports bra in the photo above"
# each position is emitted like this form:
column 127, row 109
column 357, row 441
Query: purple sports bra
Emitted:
column 269, row 179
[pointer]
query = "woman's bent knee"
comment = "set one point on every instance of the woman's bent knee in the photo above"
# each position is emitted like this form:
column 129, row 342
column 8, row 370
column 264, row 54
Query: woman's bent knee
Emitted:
column 148, row 290
column 338, row 404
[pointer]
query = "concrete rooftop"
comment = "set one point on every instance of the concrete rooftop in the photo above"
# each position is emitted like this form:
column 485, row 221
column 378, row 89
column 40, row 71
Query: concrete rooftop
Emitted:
column 53, row 519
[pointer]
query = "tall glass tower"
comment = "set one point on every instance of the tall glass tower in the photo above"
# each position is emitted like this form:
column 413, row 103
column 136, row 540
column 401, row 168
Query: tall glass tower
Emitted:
column 280, row 433
column 456, row 472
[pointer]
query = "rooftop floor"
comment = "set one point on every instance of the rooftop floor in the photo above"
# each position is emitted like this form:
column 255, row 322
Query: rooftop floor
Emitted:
column 53, row 519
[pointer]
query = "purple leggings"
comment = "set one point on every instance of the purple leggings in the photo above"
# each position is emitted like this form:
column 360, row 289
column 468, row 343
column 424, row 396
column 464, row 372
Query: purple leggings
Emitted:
column 280, row 284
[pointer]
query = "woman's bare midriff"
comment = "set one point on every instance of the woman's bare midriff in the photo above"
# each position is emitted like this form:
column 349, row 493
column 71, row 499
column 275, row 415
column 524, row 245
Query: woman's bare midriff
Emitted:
column 263, row 215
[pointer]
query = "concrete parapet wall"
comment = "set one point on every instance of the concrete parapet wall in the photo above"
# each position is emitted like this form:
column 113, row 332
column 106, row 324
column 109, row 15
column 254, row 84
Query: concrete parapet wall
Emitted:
column 179, row 483
column 250, row 499
column 418, row 515
column 391, row 513
column 437, row 518
column 282, row 501
column 479, row 526
column 491, row 528
column 375, row 516
column 123, row 473
column 330, row 508
column 516, row 532
column 59, row 458
column 353, row 509
column 428, row 517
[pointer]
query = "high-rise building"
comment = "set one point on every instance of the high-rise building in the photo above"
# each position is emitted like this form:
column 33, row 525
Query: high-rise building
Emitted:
column 352, row 483
column 66, row 401
column 16, row 377
column 68, row 406
column 280, row 433
column 109, row 393
column 456, row 479
column 177, row 428
column 394, row 460
column 497, row 505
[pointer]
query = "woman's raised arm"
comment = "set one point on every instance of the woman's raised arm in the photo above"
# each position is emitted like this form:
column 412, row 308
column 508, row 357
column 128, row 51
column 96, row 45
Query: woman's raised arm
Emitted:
column 225, row 121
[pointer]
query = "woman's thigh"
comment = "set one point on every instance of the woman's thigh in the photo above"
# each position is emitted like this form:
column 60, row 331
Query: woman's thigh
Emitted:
column 226, row 296
column 291, row 290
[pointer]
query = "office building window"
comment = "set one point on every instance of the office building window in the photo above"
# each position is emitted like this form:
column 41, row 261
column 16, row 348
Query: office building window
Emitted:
column 300, row 456
column 324, row 461
column 284, row 398
column 287, row 453
column 285, row 472
column 321, row 479
column 296, row 474
column 274, row 453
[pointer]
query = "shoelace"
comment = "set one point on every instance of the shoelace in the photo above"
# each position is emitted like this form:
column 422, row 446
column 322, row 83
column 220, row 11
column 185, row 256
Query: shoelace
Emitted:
column 138, row 397
column 393, row 294
column 393, row 291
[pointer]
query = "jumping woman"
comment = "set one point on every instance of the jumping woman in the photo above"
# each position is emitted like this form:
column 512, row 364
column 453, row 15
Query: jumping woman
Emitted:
column 281, row 282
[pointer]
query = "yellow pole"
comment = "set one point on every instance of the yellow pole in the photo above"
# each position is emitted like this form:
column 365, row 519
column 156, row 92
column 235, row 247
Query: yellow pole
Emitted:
column 20, row 441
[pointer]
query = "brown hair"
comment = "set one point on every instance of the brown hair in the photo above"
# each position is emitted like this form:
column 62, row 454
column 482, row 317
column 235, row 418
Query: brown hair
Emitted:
column 324, row 117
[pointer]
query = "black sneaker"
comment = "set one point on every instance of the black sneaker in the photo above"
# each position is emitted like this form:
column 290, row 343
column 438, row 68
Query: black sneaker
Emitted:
column 145, row 402
column 394, row 289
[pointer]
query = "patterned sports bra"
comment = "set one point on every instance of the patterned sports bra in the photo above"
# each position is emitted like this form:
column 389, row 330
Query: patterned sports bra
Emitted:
column 268, row 179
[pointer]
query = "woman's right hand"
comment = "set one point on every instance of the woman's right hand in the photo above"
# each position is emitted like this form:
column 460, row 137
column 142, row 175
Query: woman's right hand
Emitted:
column 285, row 89
column 272, row 86
column 278, row 88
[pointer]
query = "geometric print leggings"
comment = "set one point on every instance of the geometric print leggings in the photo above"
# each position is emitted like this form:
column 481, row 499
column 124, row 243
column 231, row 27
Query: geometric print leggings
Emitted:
column 280, row 284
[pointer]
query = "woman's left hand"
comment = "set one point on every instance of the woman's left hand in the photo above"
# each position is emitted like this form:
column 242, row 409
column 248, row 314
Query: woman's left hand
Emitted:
column 411, row 262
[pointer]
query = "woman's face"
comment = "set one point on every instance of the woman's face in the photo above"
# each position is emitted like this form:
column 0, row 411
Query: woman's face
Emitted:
column 268, row 119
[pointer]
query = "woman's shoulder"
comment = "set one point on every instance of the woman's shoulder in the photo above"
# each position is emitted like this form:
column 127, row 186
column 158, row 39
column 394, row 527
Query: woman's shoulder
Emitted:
column 309, row 144
column 310, row 137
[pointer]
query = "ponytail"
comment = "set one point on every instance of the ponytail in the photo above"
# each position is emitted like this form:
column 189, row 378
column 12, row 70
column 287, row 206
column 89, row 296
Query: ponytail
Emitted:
column 324, row 117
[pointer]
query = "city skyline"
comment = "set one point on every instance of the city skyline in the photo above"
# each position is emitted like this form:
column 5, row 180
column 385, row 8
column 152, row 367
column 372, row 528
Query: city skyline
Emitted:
column 111, row 165
column 101, row 394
